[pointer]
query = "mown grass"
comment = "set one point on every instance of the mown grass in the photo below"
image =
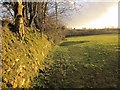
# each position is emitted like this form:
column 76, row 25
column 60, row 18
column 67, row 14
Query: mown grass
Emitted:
column 22, row 60
column 82, row 62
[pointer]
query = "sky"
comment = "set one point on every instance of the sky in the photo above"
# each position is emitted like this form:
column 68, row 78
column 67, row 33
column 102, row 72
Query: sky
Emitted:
column 95, row 14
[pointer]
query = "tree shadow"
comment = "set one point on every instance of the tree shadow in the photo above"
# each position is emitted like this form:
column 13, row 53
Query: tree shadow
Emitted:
column 72, row 43
column 10, row 25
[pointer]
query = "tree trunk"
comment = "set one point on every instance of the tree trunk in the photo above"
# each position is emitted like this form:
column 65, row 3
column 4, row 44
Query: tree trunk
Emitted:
column 56, row 12
column 25, row 14
column 19, row 21
column 33, row 13
column 44, row 9
column 39, row 18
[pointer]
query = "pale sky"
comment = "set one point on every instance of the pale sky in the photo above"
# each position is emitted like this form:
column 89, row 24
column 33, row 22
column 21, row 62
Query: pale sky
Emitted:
column 96, row 15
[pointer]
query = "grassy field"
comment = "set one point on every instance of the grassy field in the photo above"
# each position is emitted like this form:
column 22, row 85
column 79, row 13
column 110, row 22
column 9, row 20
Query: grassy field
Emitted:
column 82, row 62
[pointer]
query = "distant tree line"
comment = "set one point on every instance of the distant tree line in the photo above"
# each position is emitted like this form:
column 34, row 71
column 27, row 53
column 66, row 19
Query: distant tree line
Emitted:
column 84, row 31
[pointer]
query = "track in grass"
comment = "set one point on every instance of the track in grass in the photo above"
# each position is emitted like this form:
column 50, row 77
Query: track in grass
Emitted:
column 79, row 62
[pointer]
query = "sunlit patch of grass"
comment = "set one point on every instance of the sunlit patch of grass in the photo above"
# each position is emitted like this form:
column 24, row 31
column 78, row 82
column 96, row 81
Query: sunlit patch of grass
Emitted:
column 92, row 63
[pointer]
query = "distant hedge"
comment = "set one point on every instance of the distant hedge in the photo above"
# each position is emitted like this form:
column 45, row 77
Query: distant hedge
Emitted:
column 81, row 32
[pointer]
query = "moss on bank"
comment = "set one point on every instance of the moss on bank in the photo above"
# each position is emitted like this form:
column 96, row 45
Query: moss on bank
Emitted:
column 22, row 60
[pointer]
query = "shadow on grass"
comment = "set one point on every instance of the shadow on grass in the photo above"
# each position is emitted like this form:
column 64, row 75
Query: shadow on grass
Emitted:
column 72, row 43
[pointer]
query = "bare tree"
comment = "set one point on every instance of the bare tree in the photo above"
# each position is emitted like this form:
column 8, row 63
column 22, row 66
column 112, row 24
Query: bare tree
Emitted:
column 19, row 20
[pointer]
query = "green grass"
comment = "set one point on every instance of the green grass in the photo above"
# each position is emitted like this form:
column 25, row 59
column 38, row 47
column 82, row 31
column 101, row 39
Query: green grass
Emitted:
column 82, row 62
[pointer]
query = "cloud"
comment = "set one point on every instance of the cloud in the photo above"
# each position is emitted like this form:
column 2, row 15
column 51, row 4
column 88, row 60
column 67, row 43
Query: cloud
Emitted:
column 102, row 0
column 90, row 11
